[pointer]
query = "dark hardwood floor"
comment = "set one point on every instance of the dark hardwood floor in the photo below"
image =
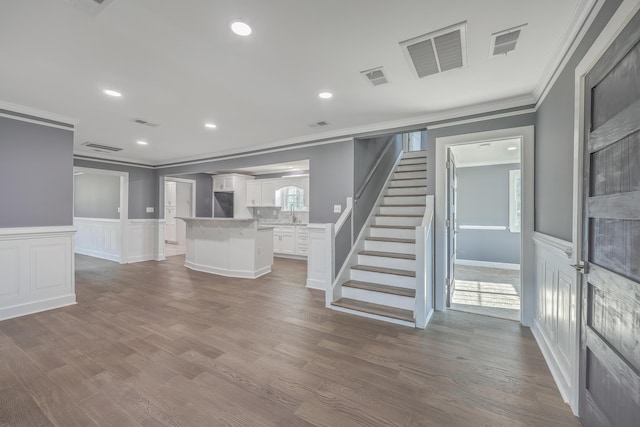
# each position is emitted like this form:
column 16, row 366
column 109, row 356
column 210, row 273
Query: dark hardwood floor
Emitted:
column 157, row 344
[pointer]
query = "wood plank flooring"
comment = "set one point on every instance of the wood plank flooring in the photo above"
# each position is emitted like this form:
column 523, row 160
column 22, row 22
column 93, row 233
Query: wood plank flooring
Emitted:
column 157, row 344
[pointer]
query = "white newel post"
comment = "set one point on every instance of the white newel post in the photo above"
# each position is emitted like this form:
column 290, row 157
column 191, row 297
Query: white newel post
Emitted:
column 320, row 259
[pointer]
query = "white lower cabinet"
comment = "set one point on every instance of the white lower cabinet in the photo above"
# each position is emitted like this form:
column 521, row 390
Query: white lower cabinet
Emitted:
column 290, row 240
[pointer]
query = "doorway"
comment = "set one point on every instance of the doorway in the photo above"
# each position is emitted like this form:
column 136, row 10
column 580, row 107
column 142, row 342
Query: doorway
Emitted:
column 451, row 259
column 483, row 228
column 179, row 199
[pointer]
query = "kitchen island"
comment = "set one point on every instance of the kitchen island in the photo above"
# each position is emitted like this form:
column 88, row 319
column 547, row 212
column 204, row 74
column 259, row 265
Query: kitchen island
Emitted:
column 232, row 247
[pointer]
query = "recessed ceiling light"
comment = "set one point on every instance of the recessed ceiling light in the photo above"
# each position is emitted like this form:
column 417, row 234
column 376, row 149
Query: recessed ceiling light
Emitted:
column 210, row 125
column 512, row 148
column 142, row 142
column 114, row 93
column 325, row 95
column 241, row 28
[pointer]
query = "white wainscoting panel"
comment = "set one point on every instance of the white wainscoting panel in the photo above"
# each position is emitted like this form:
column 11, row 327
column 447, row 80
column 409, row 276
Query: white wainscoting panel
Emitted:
column 555, row 323
column 320, row 257
column 142, row 240
column 36, row 270
column 98, row 237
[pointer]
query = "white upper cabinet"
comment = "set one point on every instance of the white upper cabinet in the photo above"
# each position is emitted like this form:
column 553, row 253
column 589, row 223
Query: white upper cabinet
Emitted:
column 269, row 187
column 254, row 193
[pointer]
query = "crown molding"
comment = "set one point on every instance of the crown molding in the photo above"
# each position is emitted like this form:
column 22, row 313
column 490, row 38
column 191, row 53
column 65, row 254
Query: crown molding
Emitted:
column 35, row 114
column 579, row 23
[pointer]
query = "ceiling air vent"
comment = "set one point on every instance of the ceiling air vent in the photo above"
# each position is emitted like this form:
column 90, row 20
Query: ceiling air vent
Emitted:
column 319, row 124
column 438, row 51
column 505, row 41
column 375, row 76
column 101, row 148
column 90, row 7
column 144, row 123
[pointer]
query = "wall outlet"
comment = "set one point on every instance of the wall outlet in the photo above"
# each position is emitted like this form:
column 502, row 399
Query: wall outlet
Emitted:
column 150, row 209
column 337, row 208
column 118, row 210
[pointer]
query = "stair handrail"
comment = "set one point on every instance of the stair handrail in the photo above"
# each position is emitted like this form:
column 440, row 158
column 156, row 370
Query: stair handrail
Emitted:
column 425, row 266
column 363, row 186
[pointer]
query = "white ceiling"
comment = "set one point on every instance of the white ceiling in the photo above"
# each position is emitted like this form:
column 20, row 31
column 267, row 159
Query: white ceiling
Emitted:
column 178, row 65
column 288, row 167
column 487, row 153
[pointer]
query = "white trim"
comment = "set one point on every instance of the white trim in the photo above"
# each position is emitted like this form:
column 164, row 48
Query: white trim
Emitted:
column 454, row 122
column 579, row 23
column 487, row 264
column 514, row 227
column 23, row 109
column 84, row 218
column 486, row 163
column 561, row 247
column 81, row 157
column 345, row 214
column 527, row 271
column 245, row 274
column 483, row 227
column 375, row 316
column 556, row 372
column 35, row 232
column 36, row 306
column 37, row 122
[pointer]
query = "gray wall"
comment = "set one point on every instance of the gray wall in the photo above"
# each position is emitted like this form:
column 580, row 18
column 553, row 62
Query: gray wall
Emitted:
column 480, row 126
column 366, row 154
column 554, row 142
column 204, row 193
column 483, row 199
column 96, row 196
column 144, row 187
column 36, row 175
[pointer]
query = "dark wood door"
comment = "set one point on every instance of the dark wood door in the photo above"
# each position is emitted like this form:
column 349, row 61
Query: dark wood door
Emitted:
column 610, row 333
column 451, row 224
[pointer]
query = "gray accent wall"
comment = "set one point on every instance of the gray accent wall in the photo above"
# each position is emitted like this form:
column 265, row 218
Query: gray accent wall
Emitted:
column 144, row 187
column 366, row 154
column 96, row 196
column 483, row 199
column 554, row 141
column 36, row 175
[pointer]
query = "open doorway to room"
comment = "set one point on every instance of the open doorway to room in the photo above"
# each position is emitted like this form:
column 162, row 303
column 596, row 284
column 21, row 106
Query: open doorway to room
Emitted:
column 180, row 201
column 484, row 228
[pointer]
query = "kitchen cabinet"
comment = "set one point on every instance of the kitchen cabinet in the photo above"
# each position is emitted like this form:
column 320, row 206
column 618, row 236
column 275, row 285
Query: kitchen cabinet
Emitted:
column 170, row 193
column 269, row 187
column 302, row 241
column 254, row 194
column 284, row 240
column 223, row 183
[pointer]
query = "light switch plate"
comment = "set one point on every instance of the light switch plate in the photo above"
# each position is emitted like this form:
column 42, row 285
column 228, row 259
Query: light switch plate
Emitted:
column 150, row 209
column 337, row 208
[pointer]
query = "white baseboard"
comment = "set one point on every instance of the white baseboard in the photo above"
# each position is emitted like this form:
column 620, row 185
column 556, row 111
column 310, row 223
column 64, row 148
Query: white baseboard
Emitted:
column 290, row 256
column 488, row 264
column 316, row 284
column 36, row 270
column 228, row 273
column 98, row 254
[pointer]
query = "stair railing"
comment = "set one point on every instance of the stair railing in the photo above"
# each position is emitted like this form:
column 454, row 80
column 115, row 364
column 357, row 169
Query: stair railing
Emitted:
column 425, row 266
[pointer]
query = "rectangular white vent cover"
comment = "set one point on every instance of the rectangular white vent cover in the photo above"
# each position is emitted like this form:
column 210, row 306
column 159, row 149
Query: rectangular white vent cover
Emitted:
column 375, row 76
column 319, row 124
column 505, row 41
column 101, row 148
column 438, row 51
column 90, row 7
column 144, row 123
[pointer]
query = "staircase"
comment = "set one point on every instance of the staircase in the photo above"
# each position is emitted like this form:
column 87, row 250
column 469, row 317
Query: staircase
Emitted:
column 380, row 278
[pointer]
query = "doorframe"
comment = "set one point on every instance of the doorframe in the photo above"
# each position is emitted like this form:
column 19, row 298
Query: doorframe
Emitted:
column 124, row 204
column 620, row 19
column 193, row 183
column 527, row 262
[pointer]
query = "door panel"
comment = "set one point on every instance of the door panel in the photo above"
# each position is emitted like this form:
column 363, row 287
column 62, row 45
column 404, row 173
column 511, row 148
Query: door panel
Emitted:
column 610, row 336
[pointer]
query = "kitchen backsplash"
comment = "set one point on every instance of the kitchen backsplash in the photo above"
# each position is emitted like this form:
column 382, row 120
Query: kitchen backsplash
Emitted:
column 277, row 216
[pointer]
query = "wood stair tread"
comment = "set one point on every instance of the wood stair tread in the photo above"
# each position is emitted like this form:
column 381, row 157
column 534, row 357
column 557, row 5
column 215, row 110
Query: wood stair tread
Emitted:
column 384, row 270
column 402, row 215
column 409, row 186
column 393, row 290
column 377, row 309
column 404, row 206
column 403, row 195
column 388, row 254
column 400, row 227
column 391, row 239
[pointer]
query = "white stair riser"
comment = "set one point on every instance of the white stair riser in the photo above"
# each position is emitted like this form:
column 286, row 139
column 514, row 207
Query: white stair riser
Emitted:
column 407, row 200
column 398, row 220
column 401, row 191
column 390, row 300
column 387, row 262
column 419, row 167
column 393, row 233
column 408, row 183
column 399, row 248
column 412, row 175
column 412, row 154
column 383, row 279
column 401, row 210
